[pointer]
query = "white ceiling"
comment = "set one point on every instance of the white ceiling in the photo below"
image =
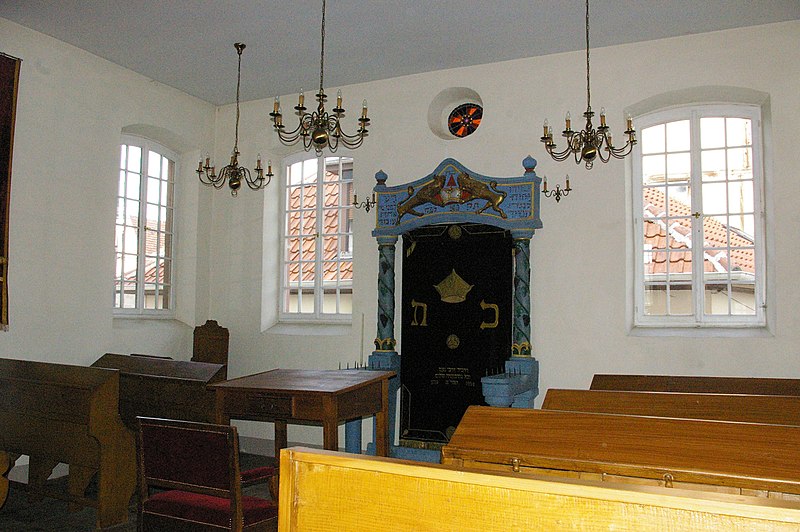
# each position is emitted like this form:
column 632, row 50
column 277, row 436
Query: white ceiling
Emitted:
column 188, row 44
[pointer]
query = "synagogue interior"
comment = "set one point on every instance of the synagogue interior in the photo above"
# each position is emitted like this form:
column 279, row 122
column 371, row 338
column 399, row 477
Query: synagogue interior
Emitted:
column 415, row 266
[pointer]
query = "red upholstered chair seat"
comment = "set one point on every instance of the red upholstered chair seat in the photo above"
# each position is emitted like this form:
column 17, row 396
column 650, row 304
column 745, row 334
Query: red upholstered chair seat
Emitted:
column 207, row 509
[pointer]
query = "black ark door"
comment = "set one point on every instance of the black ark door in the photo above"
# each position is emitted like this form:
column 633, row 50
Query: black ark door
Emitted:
column 457, row 316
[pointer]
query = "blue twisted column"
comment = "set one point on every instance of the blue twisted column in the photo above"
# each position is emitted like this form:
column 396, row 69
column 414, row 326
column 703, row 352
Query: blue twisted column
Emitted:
column 521, row 335
column 385, row 340
column 384, row 357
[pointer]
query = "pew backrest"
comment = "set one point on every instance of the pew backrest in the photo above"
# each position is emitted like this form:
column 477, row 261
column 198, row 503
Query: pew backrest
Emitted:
column 391, row 494
column 155, row 387
column 714, row 455
column 696, row 384
column 777, row 409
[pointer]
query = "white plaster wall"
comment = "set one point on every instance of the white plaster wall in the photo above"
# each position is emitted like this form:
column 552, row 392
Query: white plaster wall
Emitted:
column 71, row 109
column 579, row 258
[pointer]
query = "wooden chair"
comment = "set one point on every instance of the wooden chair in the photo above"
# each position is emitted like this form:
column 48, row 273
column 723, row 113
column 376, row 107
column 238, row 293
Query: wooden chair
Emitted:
column 196, row 467
column 210, row 343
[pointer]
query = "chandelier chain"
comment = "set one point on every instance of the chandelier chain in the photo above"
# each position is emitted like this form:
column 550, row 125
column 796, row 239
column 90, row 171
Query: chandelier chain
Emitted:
column 588, row 92
column 322, row 50
column 238, row 84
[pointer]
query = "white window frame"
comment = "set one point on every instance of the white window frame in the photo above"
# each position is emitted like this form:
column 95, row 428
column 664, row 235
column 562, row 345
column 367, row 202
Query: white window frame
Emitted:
column 318, row 286
column 699, row 320
column 139, row 311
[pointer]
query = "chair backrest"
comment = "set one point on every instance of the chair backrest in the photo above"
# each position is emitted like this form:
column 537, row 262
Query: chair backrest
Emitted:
column 193, row 457
column 211, row 343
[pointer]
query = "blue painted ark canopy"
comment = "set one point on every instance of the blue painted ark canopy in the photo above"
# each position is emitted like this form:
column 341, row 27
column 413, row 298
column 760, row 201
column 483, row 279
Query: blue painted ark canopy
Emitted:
column 453, row 194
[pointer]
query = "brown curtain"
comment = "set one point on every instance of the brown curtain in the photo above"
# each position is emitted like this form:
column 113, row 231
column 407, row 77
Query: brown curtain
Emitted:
column 9, row 79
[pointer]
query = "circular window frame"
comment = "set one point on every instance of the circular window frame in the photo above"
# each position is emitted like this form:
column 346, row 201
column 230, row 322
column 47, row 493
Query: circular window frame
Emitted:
column 444, row 104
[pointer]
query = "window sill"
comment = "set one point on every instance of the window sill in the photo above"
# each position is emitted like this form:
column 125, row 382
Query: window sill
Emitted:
column 312, row 328
column 706, row 331
column 132, row 316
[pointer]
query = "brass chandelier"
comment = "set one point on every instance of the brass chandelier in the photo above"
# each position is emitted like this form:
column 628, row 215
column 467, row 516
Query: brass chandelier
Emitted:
column 320, row 128
column 233, row 173
column 590, row 143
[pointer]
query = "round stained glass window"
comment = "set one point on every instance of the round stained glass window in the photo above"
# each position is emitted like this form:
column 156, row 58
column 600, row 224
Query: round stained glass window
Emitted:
column 464, row 119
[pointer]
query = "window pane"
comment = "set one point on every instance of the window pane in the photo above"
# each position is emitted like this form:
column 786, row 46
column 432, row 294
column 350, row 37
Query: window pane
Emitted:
column 714, row 198
column 132, row 186
column 151, row 216
column 167, row 193
column 678, row 167
column 654, row 169
column 678, row 136
column 740, row 163
column 739, row 132
column 346, row 272
column 308, row 196
column 740, row 197
column 130, row 243
column 713, row 165
column 331, row 169
column 712, row 133
column 129, row 297
column 680, row 200
column 153, row 192
column 134, row 158
column 653, row 139
column 309, row 224
column 154, row 165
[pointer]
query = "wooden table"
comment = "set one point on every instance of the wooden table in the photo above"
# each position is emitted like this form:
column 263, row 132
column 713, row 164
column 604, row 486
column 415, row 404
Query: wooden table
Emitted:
column 295, row 395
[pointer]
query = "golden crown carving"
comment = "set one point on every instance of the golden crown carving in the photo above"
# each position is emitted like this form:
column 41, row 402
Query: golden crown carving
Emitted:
column 453, row 289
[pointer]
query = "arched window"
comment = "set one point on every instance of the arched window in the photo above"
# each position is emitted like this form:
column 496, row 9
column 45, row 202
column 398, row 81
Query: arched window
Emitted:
column 317, row 273
column 143, row 279
column 698, row 216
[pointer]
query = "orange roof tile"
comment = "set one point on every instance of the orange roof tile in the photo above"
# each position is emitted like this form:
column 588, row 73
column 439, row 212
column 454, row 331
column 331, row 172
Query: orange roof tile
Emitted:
column 680, row 238
column 331, row 229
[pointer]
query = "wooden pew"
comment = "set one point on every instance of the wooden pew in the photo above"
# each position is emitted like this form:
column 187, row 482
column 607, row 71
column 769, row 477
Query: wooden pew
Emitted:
column 692, row 384
column 5, row 466
column 777, row 409
column 59, row 413
column 390, row 494
column 156, row 387
column 738, row 458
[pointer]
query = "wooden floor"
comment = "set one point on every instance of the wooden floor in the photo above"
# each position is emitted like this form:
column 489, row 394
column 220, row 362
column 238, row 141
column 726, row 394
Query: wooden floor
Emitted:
column 22, row 514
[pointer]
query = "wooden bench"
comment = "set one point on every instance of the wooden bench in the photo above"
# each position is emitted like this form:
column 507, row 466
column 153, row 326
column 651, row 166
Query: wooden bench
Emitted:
column 329, row 491
column 58, row 413
column 155, row 387
column 692, row 384
column 738, row 458
column 5, row 465
column 777, row 409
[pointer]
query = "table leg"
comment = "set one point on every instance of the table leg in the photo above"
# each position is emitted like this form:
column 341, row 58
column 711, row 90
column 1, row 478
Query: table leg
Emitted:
column 281, row 437
column 330, row 424
column 330, row 435
column 382, row 422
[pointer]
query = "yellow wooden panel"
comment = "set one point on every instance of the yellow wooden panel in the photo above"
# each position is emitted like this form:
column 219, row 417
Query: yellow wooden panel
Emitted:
column 326, row 491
